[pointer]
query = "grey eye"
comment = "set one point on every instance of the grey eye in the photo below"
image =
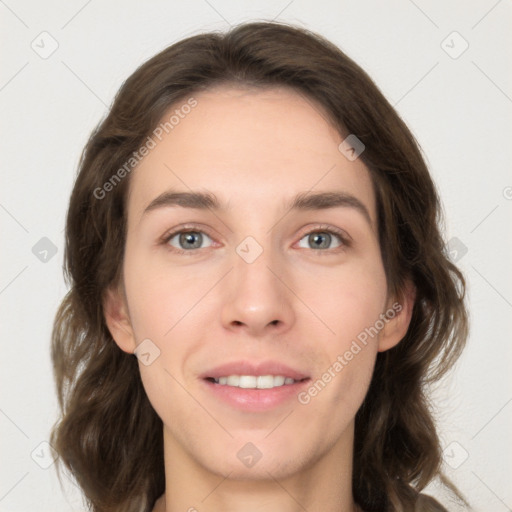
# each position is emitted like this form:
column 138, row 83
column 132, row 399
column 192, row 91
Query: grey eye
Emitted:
column 320, row 240
column 189, row 240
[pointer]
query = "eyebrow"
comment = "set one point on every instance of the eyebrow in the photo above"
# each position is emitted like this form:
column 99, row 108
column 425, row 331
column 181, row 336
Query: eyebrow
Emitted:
column 302, row 201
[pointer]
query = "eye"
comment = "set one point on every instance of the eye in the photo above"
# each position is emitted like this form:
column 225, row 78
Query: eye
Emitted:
column 322, row 239
column 190, row 240
column 187, row 240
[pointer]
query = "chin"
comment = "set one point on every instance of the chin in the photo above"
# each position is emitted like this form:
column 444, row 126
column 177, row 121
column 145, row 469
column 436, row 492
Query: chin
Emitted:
column 277, row 467
column 250, row 457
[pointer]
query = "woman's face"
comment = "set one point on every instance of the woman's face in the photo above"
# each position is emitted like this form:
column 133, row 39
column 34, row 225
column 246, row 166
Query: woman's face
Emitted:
column 257, row 288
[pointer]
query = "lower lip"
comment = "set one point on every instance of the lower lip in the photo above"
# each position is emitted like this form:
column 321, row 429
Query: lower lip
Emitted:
column 256, row 399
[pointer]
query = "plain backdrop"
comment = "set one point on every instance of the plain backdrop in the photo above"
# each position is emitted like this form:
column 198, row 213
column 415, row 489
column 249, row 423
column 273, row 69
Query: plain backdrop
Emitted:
column 446, row 66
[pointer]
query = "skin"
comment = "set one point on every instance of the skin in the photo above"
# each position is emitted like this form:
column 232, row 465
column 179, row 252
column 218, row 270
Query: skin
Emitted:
column 296, row 303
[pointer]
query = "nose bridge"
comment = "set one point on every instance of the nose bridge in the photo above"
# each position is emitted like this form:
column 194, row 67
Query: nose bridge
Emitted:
column 252, row 272
column 256, row 297
column 252, row 265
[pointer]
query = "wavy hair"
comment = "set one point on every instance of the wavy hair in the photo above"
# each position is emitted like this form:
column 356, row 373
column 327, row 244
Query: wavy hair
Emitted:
column 108, row 436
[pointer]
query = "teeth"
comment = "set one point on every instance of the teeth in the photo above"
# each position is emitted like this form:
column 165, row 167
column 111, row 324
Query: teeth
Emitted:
column 280, row 380
column 254, row 382
column 247, row 381
column 233, row 380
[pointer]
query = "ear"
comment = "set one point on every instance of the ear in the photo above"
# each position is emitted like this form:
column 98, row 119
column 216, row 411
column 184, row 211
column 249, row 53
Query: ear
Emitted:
column 117, row 318
column 399, row 315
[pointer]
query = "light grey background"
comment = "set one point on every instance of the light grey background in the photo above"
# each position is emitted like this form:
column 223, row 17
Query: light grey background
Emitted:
column 458, row 106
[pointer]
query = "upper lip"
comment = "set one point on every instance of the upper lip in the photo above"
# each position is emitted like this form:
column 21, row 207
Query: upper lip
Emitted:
column 253, row 368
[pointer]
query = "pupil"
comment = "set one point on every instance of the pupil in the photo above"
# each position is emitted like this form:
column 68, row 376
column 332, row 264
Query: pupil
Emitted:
column 188, row 238
column 317, row 240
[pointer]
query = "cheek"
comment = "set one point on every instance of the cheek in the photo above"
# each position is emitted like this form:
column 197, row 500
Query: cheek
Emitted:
column 348, row 299
column 160, row 296
column 161, row 304
column 156, row 306
column 350, row 302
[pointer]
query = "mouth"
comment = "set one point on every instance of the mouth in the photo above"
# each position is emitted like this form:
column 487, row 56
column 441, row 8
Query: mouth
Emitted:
column 250, row 386
column 254, row 381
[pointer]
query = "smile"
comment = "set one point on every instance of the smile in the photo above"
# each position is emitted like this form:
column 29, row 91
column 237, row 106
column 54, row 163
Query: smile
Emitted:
column 254, row 381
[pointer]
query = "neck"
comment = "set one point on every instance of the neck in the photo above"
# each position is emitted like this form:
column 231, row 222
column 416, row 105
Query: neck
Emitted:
column 322, row 484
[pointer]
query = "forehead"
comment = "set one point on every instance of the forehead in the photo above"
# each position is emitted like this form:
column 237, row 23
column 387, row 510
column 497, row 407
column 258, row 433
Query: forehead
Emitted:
column 250, row 147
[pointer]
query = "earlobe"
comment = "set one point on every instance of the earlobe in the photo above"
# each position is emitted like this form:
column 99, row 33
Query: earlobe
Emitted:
column 399, row 316
column 117, row 319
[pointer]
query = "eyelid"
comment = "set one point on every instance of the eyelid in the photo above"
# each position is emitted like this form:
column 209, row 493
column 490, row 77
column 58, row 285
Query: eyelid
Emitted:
column 344, row 236
column 185, row 227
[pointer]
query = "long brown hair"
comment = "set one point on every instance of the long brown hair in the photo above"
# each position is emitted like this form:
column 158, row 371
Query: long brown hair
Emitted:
column 109, row 437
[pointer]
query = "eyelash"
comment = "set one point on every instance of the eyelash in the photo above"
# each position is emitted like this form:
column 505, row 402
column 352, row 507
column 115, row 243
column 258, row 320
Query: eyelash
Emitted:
column 344, row 239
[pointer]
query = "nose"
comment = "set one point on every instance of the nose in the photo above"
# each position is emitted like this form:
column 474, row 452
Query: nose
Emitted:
column 257, row 300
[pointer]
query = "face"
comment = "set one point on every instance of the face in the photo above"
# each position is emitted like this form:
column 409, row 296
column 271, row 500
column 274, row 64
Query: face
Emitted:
column 275, row 272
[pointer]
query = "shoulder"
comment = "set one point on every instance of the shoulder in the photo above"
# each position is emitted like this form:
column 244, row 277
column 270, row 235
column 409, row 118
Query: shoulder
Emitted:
column 426, row 503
